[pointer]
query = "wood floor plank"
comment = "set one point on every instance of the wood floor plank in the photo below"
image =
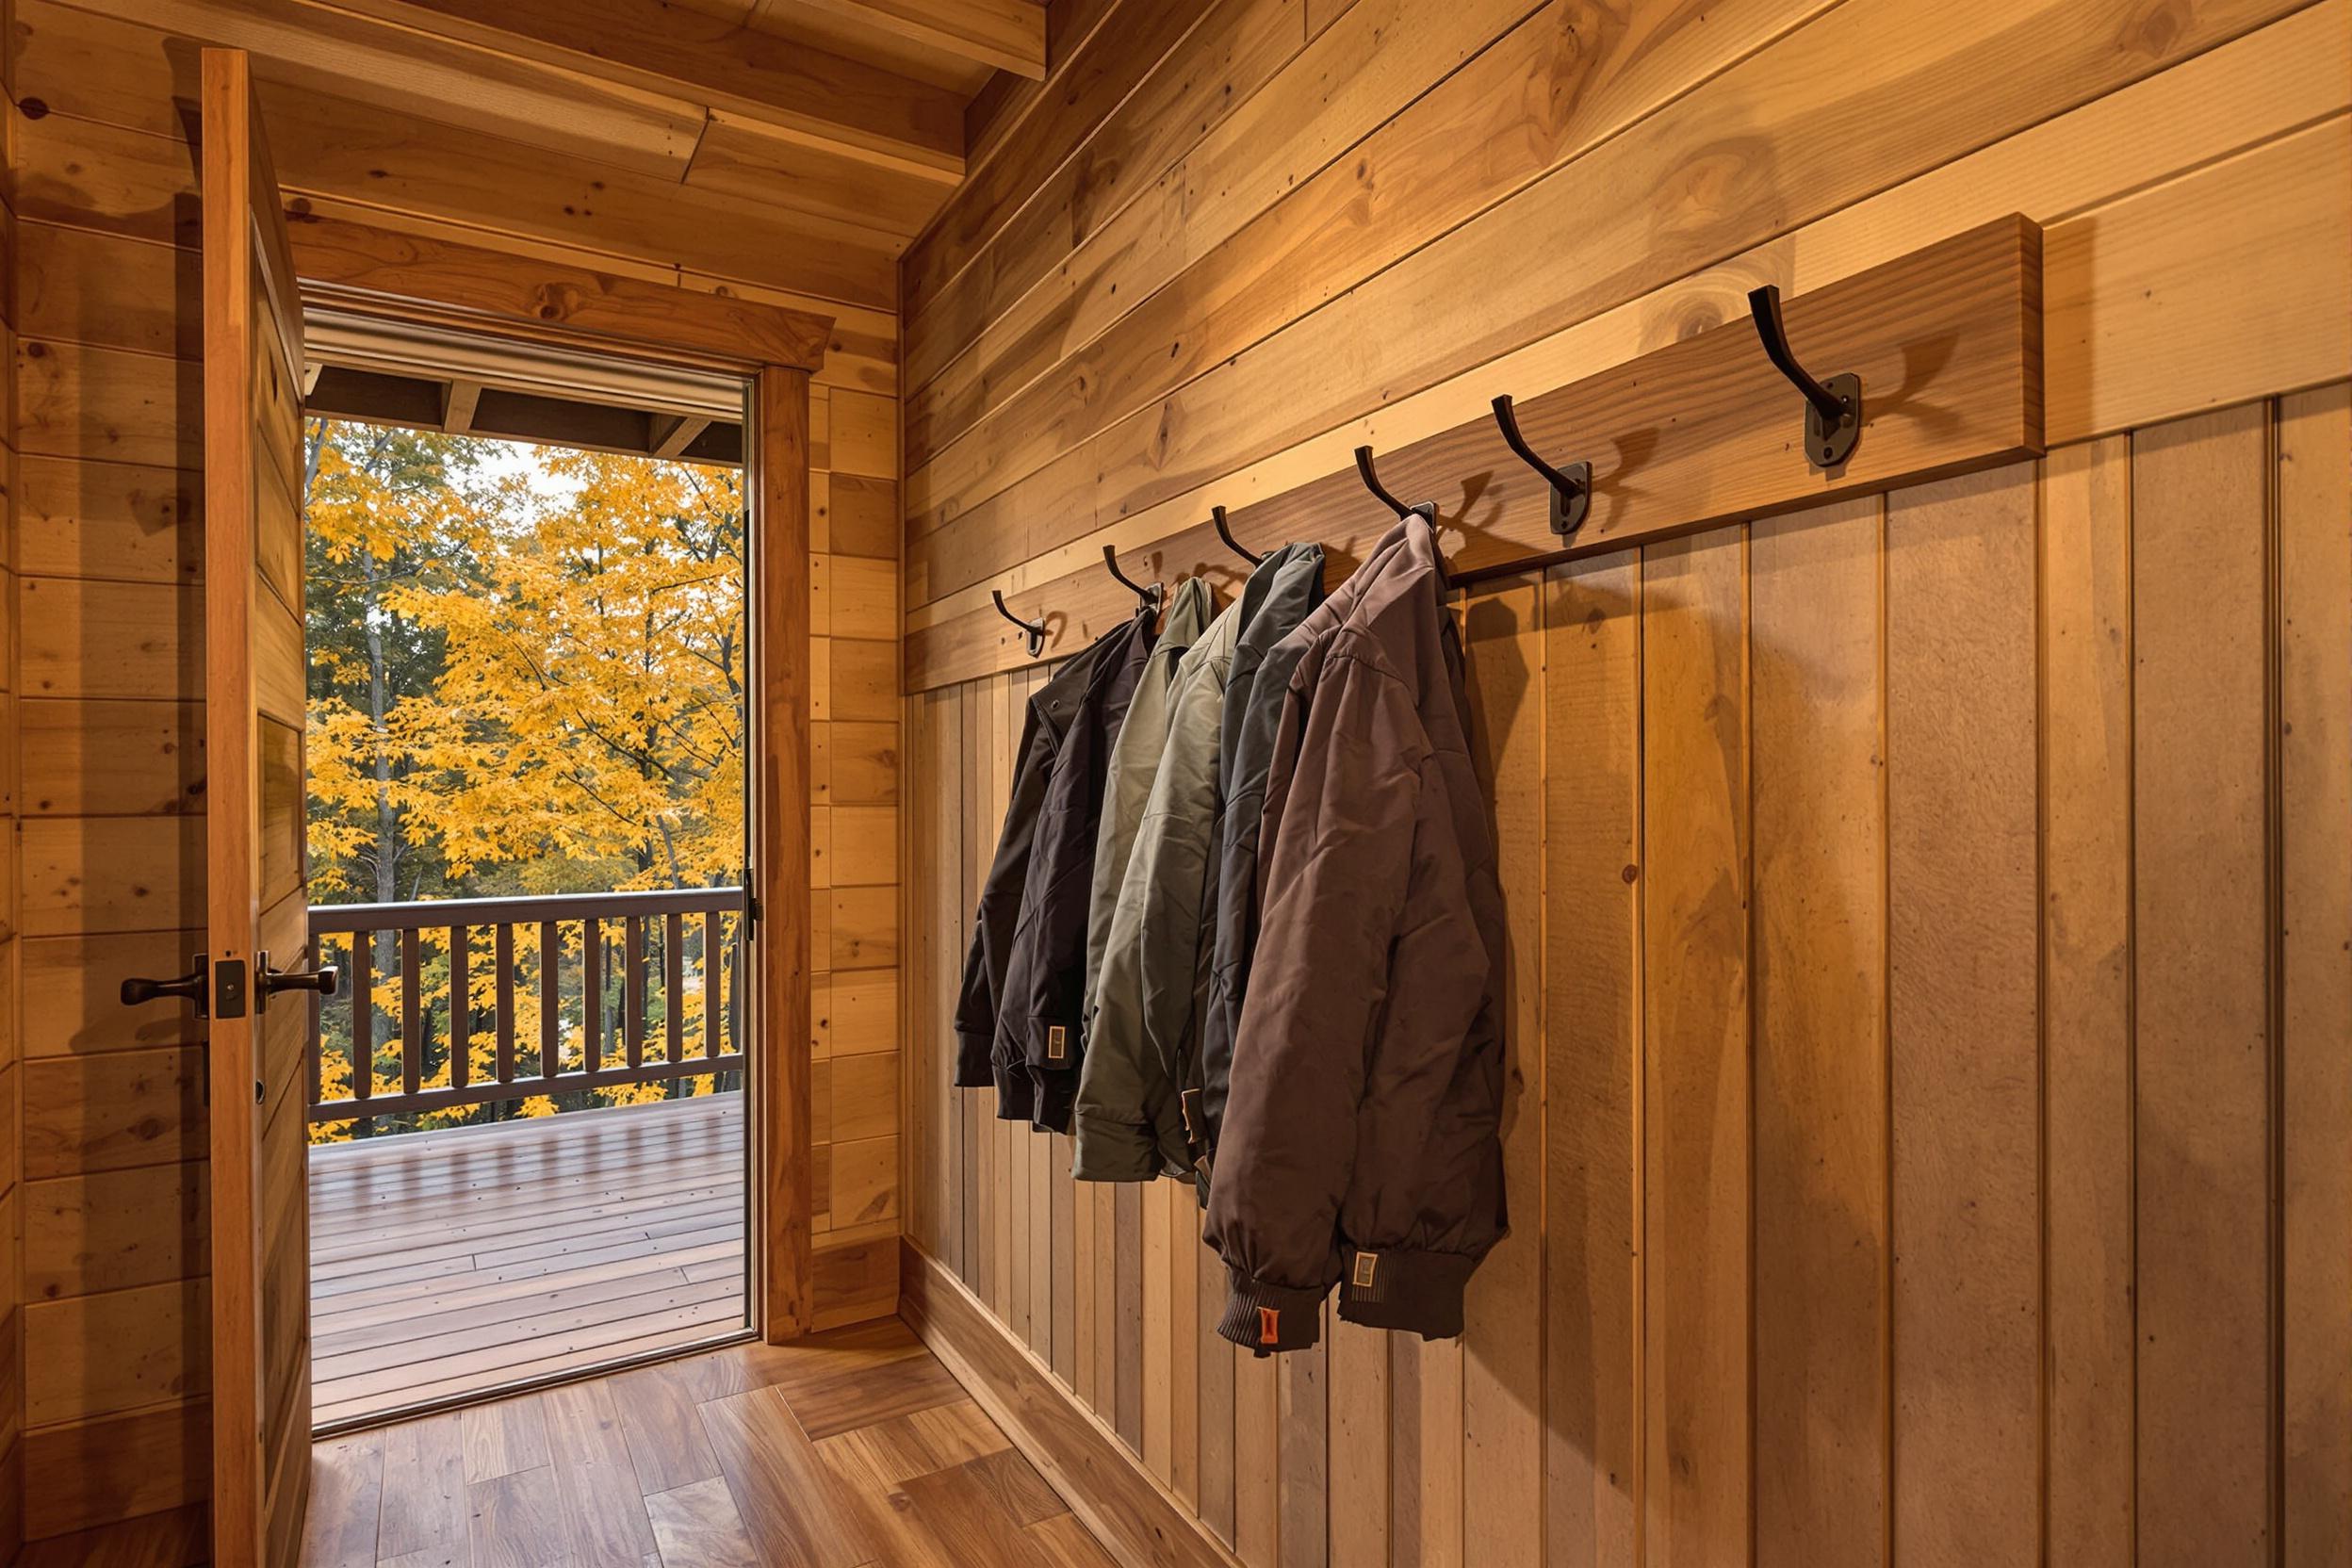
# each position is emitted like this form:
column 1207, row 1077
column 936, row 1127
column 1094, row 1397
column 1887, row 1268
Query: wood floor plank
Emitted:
column 518, row 1521
column 781, row 1488
column 665, row 1439
column 595, row 1477
column 426, row 1508
column 696, row 1527
column 346, row 1492
column 504, row 1437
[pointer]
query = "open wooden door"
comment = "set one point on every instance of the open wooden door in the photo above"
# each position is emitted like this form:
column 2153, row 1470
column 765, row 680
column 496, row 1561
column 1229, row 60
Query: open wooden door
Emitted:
column 256, row 889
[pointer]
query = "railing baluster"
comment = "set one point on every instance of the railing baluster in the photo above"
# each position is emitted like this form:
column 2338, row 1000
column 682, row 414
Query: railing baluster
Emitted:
column 634, row 1008
column 506, row 1004
column 551, row 999
column 674, row 982
column 312, row 1049
column 592, row 991
column 460, row 1008
column 712, row 1015
column 616, row 969
column 411, row 1014
column 362, row 1015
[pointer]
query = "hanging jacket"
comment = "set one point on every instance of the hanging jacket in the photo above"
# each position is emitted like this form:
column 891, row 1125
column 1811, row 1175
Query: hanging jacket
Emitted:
column 1134, row 761
column 1044, row 721
column 1139, row 1052
column 1037, row 1044
column 1289, row 584
column 1362, row 1144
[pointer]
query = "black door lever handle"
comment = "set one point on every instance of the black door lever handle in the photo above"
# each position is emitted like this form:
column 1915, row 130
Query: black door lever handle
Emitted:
column 325, row 979
column 187, row 987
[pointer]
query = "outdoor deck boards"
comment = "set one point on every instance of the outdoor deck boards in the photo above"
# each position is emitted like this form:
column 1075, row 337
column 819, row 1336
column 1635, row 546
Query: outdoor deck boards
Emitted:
column 444, row 1264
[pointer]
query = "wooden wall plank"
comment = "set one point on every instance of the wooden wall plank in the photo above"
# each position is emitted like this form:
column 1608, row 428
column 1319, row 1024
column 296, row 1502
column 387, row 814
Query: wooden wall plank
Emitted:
column 1591, row 1192
column 2203, row 558
column 1819, row 951
column 1501, row 1446
column 2087, row 996
column 2315, row 958
column 1962, row 1092
column 1695, row 1050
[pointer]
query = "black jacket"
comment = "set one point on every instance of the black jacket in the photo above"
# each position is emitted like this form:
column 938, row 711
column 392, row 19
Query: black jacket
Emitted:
column 1039, row 1043
column 1044, row 723
column 1361, row 1139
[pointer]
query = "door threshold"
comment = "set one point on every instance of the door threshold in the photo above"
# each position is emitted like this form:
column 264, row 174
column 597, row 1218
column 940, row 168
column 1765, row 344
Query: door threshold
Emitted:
column 491, row 1395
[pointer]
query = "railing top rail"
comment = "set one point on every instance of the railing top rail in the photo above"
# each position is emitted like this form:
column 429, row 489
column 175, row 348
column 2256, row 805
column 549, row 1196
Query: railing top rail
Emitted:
column 434, row 914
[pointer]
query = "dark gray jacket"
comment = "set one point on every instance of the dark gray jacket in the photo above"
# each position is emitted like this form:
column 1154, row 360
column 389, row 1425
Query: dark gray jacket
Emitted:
column 1361, row 1142
column 1287, row 587
column 1044, row 721
column 1038, row 1047
column 1141, row 1047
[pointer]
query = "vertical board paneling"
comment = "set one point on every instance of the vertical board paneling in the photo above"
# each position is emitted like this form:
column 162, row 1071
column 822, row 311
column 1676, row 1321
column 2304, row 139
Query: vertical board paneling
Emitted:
column 2202, row 560
column 2087, row 996
column 2315, row 1015
column 1819, row 954
column 1695, row 1050
column 1880, row 880
column 1964, row 1091
column 1591, row 1192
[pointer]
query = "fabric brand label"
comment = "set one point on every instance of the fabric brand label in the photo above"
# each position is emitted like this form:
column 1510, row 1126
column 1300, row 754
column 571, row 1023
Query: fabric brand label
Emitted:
column 1056, row 1043
column 1270, row 1325
column 1367, row 1265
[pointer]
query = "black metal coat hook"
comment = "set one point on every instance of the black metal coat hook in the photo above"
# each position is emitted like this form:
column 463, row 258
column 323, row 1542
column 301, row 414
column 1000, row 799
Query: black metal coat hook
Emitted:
column 1035, row 629
column 1225, row 532
column 1572, row 487
column 1833, row 416
column 1148, row 596
column 1372, row 483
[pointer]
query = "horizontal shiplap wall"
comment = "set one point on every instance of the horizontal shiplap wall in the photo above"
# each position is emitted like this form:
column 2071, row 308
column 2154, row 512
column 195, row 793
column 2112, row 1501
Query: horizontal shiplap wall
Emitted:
column 1243, row 247
column 1931, row 1005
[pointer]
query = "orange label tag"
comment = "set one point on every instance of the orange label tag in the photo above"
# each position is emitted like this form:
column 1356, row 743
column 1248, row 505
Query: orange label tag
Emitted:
column 1367, row 1263
column 1056, row 1042
column 1270, row 1325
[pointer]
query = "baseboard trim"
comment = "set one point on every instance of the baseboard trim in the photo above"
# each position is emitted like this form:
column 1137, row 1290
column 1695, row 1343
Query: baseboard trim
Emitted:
column 1138, row 1521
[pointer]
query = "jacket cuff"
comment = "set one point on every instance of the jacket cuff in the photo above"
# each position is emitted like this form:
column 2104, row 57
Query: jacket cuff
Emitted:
column 1057, row 1096
column 1264, row 1319
column 971, row 1059
column 1110, row 1150
column 1016, row 1095
column 1410, row 1292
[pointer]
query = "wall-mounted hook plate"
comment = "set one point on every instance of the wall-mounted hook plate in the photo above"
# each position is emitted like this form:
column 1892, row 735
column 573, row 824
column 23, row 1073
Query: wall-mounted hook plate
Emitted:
column 1828, row 445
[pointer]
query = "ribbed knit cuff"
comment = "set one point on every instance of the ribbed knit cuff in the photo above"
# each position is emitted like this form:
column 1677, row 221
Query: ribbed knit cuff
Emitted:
column 1411, row 1292
column 1266, row 1318
column 1110, row 1150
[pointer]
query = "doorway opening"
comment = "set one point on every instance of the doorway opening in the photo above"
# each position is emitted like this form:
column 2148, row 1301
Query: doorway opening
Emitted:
column 526, row 765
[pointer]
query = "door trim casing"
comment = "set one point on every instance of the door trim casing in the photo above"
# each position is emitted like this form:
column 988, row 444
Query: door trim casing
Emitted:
column 353, row 268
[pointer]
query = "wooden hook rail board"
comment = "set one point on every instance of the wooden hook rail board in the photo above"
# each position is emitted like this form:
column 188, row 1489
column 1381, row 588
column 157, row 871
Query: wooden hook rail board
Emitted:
column 1948, row 342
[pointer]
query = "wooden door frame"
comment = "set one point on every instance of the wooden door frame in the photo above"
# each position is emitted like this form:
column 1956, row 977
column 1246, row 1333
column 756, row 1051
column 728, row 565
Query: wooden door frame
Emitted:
column 357, row 269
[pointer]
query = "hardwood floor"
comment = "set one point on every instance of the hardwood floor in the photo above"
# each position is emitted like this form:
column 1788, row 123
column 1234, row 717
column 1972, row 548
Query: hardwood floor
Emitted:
column 852, row 1448
column 447, row 1263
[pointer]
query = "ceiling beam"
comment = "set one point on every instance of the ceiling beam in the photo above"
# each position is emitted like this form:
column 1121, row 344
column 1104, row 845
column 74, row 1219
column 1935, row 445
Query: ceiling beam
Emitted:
column 458, row 401
column 840, row 105
column 672, row 433
column 1007, row 35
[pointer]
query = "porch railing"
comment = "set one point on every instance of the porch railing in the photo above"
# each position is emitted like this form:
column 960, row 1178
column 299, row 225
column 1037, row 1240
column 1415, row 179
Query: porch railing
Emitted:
column 563, row 994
